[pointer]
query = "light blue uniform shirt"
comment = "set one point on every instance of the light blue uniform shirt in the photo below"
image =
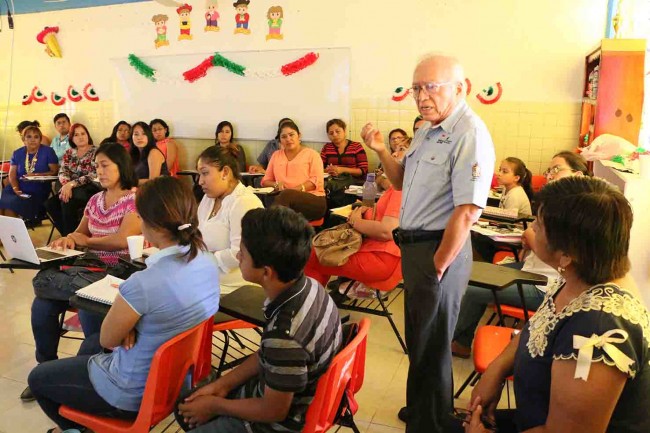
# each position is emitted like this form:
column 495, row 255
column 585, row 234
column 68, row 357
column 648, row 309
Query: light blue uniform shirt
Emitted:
column 171, row 296
column 448, row 165
column 60, row 145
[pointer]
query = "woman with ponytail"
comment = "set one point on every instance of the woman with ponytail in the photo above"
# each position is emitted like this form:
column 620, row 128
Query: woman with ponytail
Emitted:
column 178, row 290
column 221, row 210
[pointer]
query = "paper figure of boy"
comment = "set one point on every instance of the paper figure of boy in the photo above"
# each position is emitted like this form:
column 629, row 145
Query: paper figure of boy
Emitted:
column 275, row 16
column 185, row 25
column 211, row 16
column 242, row 17
column 160, row 21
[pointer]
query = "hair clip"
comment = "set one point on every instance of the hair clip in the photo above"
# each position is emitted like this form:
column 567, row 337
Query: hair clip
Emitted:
column 184, row 226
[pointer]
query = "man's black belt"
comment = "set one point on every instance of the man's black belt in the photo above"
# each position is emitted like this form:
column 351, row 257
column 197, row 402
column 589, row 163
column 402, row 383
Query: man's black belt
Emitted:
column 403, row 237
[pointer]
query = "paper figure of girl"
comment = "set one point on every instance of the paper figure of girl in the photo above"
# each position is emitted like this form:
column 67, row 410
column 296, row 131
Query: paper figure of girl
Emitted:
column 160, row 22
column 275, row 16
column 242, row 17
column 185, row 24
column 211, row 16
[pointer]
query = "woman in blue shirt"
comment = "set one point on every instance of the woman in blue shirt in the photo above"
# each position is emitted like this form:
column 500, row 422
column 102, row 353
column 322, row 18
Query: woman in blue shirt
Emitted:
column 178, row 290
column 23, row 197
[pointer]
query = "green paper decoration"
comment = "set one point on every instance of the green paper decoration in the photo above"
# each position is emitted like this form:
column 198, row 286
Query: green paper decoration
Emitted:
column 143, row 69
column 235, row 68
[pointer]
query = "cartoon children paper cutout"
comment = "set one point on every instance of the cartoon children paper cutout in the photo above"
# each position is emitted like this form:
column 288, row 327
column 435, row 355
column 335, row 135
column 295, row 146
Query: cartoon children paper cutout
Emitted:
column 242, row 17
column 184, row 14
column 275, row 16
column 211, row 16
column 160, row 22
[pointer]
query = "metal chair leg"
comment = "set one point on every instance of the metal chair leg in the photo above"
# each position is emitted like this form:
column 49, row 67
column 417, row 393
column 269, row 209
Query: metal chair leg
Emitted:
column 465, row 384
column 222, row 361
column 4, row 259
column 390, row 320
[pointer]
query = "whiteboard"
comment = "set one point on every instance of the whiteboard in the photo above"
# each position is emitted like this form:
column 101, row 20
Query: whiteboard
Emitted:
column 254, row 105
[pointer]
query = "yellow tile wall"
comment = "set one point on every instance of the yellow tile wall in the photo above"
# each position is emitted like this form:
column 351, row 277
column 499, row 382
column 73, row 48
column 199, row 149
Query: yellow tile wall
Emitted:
column 532, row 131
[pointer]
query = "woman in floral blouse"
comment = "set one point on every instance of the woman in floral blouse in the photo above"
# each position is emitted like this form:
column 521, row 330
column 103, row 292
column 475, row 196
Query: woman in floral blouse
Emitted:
column 581, row 362
column 77, row 177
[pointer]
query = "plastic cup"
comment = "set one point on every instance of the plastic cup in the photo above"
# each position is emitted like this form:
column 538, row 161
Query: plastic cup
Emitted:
column 136, row 245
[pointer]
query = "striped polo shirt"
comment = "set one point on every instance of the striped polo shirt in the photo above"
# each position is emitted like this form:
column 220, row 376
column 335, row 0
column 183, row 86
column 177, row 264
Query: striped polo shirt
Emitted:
column 302, row 335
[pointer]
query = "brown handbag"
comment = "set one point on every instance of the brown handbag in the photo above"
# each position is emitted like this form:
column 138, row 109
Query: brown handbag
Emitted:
column 335, row 245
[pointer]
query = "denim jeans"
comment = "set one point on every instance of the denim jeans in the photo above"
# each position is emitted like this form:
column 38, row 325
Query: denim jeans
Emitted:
column 67, row 382
column 45, row 327
column 476, row 300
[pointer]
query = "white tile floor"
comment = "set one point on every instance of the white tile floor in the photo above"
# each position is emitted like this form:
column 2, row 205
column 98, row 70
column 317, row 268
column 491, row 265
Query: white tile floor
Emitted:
column 382, row 395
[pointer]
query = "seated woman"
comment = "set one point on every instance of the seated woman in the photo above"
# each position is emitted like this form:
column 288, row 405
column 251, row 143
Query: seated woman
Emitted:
column 476, row 299
column 76, row 175
column 108, row 219
column 223, row 137
column 398, row 154
column 178, row 290
column 266, row 154
column 345, row 161
column 581, row 364
column 25, row 198
column 148, row 160
column 396, row 137
column 224, row 204
column 45, row 140
column 120, row 134
column 296, row 172
column 166, row 144
column 515, row 180
column 378, row 256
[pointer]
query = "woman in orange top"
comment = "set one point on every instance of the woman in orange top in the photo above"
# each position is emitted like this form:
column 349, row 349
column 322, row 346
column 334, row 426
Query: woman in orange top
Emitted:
column 167, row 145
column 379, row 255
column 296, row 172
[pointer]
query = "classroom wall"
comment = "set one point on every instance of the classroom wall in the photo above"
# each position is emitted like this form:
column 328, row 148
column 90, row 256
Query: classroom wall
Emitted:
column 534, row 49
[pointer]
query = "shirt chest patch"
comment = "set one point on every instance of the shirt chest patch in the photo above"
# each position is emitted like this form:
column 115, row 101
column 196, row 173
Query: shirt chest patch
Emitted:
column 444, row 139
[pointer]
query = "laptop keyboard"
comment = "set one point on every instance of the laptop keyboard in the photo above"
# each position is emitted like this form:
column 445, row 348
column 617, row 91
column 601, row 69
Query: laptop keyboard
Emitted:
column 48, row 255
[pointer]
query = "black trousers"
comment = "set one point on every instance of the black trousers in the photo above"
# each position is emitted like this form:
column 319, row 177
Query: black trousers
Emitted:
column 430, row 313
column 67, row 216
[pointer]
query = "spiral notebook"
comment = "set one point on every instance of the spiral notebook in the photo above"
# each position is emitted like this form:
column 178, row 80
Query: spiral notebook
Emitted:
column 104, row 290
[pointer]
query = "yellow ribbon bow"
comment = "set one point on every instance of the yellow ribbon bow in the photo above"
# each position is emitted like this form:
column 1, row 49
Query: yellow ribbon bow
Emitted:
column 586, row 346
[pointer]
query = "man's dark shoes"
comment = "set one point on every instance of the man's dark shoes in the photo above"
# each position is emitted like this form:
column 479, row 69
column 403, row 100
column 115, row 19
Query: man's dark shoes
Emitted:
column 403, row 414
column 27, row 395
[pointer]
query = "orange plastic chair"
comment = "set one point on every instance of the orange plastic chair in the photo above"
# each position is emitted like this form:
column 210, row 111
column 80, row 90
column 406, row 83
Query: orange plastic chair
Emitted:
column 317, row 223
column 169, row 367
column 324, row 410
column 489, row 342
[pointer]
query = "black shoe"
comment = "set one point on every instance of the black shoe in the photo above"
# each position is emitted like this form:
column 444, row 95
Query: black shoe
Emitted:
column 27, row 395
column 403, row 414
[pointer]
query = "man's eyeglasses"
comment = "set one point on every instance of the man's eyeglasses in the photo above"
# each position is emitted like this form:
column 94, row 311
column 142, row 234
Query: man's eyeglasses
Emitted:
column 553, row 171
column 396, row 138
column 429, row 88
column 465, row 415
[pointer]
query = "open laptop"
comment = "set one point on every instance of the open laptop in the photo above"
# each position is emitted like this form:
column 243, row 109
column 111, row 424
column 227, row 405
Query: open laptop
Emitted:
column 18, row 244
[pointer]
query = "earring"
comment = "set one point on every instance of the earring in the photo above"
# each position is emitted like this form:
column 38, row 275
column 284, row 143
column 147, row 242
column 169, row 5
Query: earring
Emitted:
column 223, row 177
column 560, row 270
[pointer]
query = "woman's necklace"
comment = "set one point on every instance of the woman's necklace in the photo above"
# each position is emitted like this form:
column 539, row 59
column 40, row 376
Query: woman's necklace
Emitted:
column 215, row 208
column 30, row 165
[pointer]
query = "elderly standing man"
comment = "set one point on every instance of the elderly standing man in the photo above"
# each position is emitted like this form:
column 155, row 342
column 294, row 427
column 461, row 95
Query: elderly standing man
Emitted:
column 445, row 177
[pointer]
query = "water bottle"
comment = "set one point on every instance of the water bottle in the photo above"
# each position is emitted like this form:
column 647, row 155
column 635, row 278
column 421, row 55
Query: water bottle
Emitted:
column 369, row 191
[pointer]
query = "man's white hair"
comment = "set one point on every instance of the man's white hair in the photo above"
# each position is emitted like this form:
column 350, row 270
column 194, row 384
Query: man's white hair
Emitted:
column 451, row 62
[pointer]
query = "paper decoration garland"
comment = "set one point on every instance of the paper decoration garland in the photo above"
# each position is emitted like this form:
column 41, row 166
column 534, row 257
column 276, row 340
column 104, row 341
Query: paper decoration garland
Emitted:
column 142, row 68
column 73, row 94
column 48, row 37
column 57, row 99
column 400, row 94
column 90, row 94
column 490, row 95
column 37, row 95
column 27, row 99
column 217, row 60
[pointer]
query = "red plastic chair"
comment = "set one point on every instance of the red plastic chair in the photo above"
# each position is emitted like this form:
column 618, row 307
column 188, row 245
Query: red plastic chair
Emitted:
column 538, row 182
column 342, row 374
column 317, row 223
column 169, row 368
